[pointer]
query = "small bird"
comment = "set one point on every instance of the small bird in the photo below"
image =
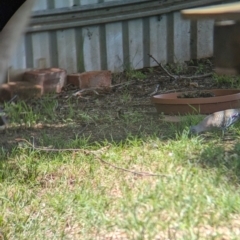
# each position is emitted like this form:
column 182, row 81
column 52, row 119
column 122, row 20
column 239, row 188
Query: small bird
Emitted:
column 218, row 120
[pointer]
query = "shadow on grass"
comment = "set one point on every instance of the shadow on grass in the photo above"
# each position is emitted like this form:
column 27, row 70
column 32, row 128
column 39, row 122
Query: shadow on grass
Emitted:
column 117, row 132
column 227, row 162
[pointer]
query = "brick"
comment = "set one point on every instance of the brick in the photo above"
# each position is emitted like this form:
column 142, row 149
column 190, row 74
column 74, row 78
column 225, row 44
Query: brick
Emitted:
column 16, row 75
column 73, row 79
column 24, row 90
column 101, row 79
column 51, row 79
column 5, row 93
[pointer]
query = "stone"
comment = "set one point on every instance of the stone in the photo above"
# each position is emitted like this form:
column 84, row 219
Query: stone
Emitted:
column 51, row 79
column 91, row 79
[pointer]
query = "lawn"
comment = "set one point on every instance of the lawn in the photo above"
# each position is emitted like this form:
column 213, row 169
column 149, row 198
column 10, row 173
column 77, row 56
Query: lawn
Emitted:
column 107, row 166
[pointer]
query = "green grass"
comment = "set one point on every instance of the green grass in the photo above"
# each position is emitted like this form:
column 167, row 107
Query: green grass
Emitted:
column 74, row 195
column 131, row 74
column 230, row 81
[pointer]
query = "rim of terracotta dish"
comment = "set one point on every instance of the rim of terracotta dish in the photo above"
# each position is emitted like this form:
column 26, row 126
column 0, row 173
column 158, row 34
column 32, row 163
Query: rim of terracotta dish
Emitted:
column 171, row 98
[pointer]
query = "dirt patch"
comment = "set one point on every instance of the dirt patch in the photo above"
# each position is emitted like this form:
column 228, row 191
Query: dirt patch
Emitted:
column 114, row 115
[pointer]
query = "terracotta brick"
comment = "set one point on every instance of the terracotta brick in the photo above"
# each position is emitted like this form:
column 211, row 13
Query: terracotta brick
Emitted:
column 24, row 90
column 16, row 75
column 73, row 79
column 91, row 79
column 51, row 79
column 5, row 93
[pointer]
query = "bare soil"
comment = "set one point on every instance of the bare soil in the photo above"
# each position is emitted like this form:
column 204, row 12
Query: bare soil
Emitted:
column 114, row 115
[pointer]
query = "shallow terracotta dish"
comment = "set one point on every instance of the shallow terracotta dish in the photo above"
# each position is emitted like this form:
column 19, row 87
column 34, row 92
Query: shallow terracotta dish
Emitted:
column 224, row 99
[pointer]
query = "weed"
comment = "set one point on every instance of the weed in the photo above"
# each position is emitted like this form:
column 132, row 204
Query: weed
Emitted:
column 190, row 120
column 46, row 108
column 151, row 70
column 88, row 193
column 86, row 117
column 131, row 74
column 21, row 113
column 202, row 66
column 177, row 68
column 132, row 117
column 200, row 69
column 231, row 81
column 126, row 97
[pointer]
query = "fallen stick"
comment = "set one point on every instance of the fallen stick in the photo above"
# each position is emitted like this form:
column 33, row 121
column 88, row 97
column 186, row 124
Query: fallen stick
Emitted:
column 95, row 89
column 94, row 152
column 164, row 69
column 198, row 76
column 175, row 77
column 155, row 90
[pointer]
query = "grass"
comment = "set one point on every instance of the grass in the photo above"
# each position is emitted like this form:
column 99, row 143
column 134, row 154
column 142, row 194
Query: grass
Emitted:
column 177, row 68
column 71, row 195
column 131, row 74
column 230, row 81
column 75, row 195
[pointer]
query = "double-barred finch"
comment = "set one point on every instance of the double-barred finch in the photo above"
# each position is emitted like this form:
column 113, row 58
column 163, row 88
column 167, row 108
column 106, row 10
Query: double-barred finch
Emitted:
column 218, row 120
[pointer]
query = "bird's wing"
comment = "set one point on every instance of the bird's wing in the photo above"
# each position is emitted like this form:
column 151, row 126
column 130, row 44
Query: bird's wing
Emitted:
column 230, row 120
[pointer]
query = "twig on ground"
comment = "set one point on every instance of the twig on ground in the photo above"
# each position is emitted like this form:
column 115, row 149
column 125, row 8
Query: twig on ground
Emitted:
column 164, row 69
column 198, row 76
column 88, row 90
column 12, row 99
column 94, row 152
column 101, row 89
column 155, row 90
column 134, row 172
column 83, row 129
column 124, row 83
column 45, row 149
column 175, row 77
column 162, row 92
column 175, row 90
